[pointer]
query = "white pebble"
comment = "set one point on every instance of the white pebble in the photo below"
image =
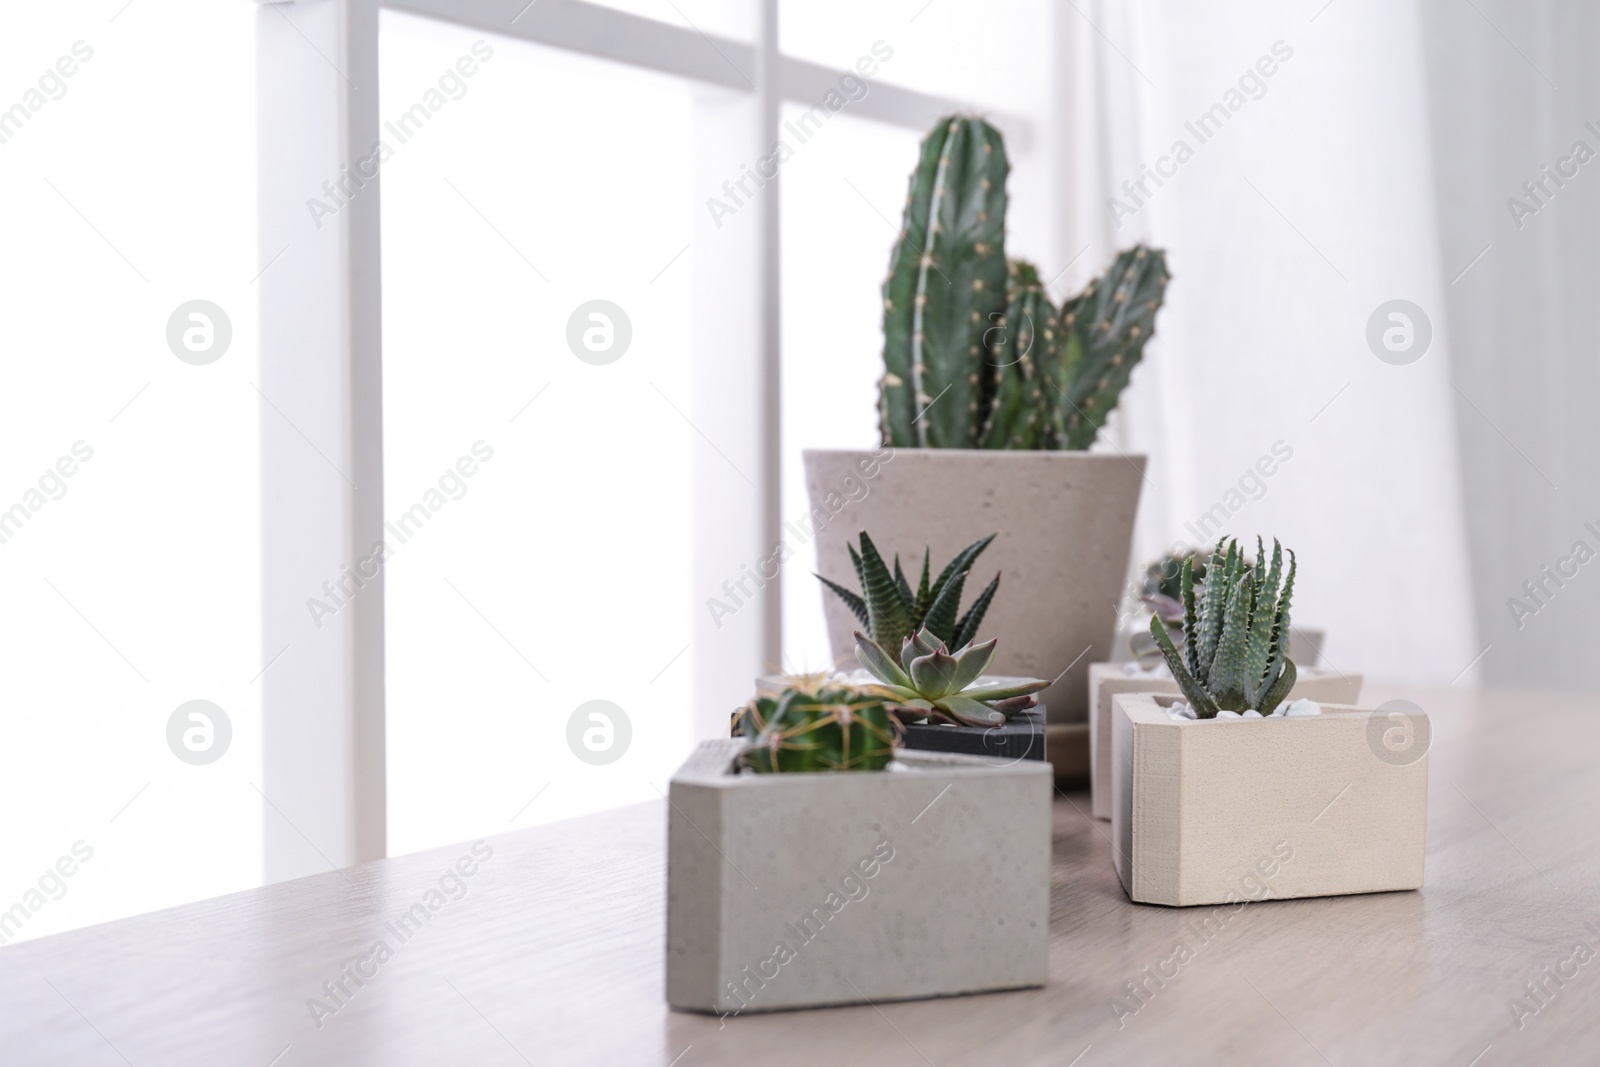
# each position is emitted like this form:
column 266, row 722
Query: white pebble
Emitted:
column 1251, row 714
column 1225, row 714
column 1181, row 711
column 1303, row 707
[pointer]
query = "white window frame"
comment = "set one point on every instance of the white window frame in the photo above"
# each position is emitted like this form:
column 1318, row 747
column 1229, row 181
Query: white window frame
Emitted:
column 321, row 363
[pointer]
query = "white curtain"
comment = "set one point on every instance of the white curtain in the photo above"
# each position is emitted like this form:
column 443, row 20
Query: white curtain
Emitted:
column 1513, row 91
column 1296, row 196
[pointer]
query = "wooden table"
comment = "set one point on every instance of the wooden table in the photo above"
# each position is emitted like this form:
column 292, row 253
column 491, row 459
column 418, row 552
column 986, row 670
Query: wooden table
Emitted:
column 553, row 955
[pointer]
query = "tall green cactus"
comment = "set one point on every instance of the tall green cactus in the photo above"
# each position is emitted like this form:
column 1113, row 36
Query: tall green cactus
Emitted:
column 975, row 355
column 946, row 288
column 1107, row 326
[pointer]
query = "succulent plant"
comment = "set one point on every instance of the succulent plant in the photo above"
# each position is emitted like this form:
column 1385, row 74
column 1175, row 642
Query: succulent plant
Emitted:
column 891, row 611
column 1236, row 655
column 1162, row 586
column 975, row 354
column 930, row 681
column 817, row 725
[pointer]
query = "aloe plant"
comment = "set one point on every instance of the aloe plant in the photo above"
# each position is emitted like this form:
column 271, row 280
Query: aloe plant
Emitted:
column 815, row 725
column 930, row 681
column 1235, row 657
column 975, row 354
column 892, row 611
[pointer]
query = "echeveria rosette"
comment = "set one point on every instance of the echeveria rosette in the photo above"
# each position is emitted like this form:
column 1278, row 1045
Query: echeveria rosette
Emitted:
column 930, row 681
column 1235, row 656
column 816, row 726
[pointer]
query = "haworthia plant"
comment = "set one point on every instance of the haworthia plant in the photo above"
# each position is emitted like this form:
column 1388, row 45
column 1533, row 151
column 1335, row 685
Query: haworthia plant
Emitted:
column 1235, row 657
column 892, row 611
column 975, row 354
column 946, row 288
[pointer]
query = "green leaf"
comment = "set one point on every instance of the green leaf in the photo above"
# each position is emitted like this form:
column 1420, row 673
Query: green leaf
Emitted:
column 961, row 564
column 933, row 675
column 970, row 663
column 1204, row 707
column 887, row 617
column 967, row 628
column 969, row 712
column 919, row 608
column 852, row 600
column 1190, row 637
column 1231, row 684
column 1278, row 692
column 904, row 586
column 1005, row 692
column 1211, row 611
column 941, row 618
column 879, row 663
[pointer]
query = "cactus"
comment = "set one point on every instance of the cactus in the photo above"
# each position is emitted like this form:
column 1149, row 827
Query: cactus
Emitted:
column 930, row 681
column 975, row 355
column 814, row 725
column 892, row 612
column 1024, row 411
column 1235, row 656
column 1106, row 328
column 946, row 287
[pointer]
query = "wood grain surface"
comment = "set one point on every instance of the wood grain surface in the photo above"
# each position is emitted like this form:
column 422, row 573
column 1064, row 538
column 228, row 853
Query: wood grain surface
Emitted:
column 551, row 952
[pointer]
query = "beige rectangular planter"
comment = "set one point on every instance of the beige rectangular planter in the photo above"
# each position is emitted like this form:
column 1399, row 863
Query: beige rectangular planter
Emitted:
column 1107, row 680
column 1065, row 525
column 1212, row 812
column 927, row 879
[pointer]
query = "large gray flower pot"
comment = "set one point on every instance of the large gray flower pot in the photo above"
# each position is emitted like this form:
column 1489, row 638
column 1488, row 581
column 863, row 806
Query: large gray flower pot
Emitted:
column 1065, row 524
column 928, row 879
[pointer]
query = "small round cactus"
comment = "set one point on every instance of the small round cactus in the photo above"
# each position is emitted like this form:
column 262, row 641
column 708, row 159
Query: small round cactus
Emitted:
column 818, row 726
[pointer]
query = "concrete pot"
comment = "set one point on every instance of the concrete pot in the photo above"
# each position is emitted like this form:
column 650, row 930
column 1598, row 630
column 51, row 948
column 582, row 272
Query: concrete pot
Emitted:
column 931, row 878
column 1215, row 812
column 1107, row 681
column 1065, row 523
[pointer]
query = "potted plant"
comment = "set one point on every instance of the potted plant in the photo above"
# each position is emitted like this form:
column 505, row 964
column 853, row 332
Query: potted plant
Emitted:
column 1162, row 591
column 811, row 863
column 991, row 397
column 1232, row 783
column 902, row 625
column 1157, row 591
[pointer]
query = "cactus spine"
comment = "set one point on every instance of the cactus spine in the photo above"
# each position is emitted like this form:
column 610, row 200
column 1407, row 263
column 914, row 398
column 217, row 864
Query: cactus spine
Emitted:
column 946, row 288
column 975, row 355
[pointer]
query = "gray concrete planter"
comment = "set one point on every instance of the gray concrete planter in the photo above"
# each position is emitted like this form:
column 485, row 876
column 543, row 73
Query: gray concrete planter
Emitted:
column 1218, row 812
column 1065, row 524
column 928, row 879
column 1108, row 680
